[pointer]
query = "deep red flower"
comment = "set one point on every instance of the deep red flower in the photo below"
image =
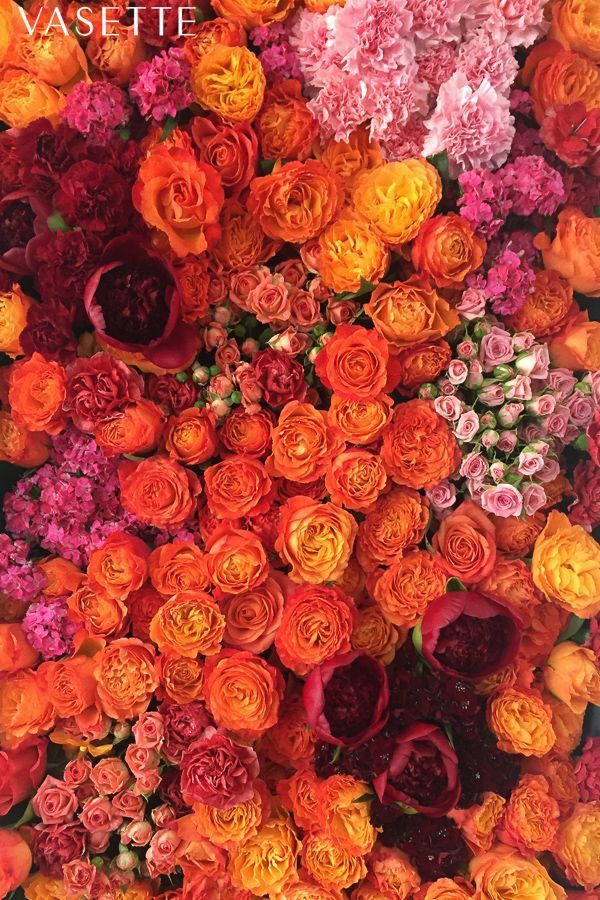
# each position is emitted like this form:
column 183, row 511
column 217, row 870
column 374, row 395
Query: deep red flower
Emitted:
column 55, row 845
column 469, row 635
column 46, row 152
column 423, row 772
column 63, row 262
column 347, row 699
column 573, row 132
column 22, row 216
column 94, row 196
column 49, row 331
column 280, row 376
column 183, row 724
column 218, row 772
column 99, row 388
column 586, row 484
column 171, row 395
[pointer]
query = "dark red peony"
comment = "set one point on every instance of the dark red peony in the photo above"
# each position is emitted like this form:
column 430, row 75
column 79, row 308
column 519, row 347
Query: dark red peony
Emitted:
column 469, row 635
column 573, row 132
column 423, row 772
column 280, row 376
column 21, row 772
column 55, row 845
column 93, row 196
column 22, row 216
column 347, row 699
column 99, row 388
column 218, row 772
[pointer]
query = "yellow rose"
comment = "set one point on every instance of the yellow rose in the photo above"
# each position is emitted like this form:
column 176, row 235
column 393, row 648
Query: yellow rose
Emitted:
column 503, row 874
column 329, row 864
column 348, row 251
column 572, row 675
column 345, row 820
column 266, row 862
column 14, row 305
column 521, row 722
column 230, row 82
column 578, row 845
column 566, row 566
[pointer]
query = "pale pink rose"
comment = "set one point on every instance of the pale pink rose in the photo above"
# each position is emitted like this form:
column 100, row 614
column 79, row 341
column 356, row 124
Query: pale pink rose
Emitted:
column 99, row 815
column 534, row 498
column 541, row 406
column 507, row 441
column 129, row 805
column 497, row 470
column 534, row 362
column 518, row 388
column 54, row 802
column 593, row 379
column 214, row 335
column 581, row 409
column 77, row 771
column 222, row 315
column 446, row 387
column 474, row 465
column 471, row 304
column 490, row 437
column 562, row 381
column 529, row 462
column 442, row 496
column 219, row 407
column 549, row 471
column 290, row 341
column 503, row 500
column 457, row 371
column 509, row 413
column 533, row 431
column 467, row 426
column 523, row 341
column 466, row 349
column 137, row 833
column 539, row 446
column 491, row 395
column 161, row 857
column 342, row 312
column 495, row 348
column 448, row 407
column 557, row 421
column 246, row 380
column 475, row 377
column 476, row 488
column 293, row 271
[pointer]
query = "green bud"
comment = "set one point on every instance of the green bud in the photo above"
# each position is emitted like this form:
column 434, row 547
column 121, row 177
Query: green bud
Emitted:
column 214, row 370
column 182, row 377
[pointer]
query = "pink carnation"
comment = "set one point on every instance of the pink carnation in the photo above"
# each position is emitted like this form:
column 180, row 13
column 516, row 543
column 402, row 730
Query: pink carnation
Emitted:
column 96, row 109
column 587, row 771
column 161, row 87
column 522, row 20
column 436, row 65
column 374, row 35
column 341, row 106
column 392, row 99
column 404, row 142
column 311, row 37
column 484, row 55
column 438, row 20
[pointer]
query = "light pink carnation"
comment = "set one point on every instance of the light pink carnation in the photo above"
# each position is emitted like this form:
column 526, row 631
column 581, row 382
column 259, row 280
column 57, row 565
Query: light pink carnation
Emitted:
column 436, row 21
column 522, row 20
column 436, row 65
column 391, row 101
column 486, row 54
column 341, row 106
column 311, row 37
column 374, row 35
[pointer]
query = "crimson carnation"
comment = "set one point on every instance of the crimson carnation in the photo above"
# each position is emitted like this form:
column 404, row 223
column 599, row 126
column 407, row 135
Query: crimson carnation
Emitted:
column 573, row 132
column 95, row 197
column 99, row 388
column 21, row 217
column 183, row 725
column 172, row 395
column 63, row 262
column 46, row 152
column 49, row 331
column 218, row 772
column 280, row 376
column 55, row 845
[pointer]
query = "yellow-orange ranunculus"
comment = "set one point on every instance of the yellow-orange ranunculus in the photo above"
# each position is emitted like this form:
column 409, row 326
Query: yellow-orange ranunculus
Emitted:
column 478, row 823
column 267, row 861
column 521, row 722
column 243, row 242
column 444, row 889
column 242, row 691
column 316, row 624
column 252, row 13
column 44, row 887
column 304, row 444
column 446, row 250
column 575, row 25
column 8, row 21
column 158, row 491
column 575, row 250
column 548, row 308
column 178, row 566
column 230, row 82
column 20, row 446
column 397, row 198
column 285, row 126
column 360, row 421
column 376, row 636
column 392, row 873
column 349, row 252
column 567, row 725
column 23, row 99
column 181, row 678
column 236, row 560
column 51, row 55
column 328, row 863
column 577, row 346
column 578, row 845
column 14, row 305
column 396, row 523
column 531, row 816
column 566, row 566
column 410, row 312
column 356, row 478
column 316, row 539
column 503, row 874
column 350, row 158
column 188, row 624
column 572, row 675
column 119, row 566
column 345, row 820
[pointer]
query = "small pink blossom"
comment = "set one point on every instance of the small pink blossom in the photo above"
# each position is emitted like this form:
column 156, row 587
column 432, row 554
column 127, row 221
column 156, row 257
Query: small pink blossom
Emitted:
column 495, row 348
column 442, row 496
column 503, row 500
column 534, row 498
column 474, row 465
column 467, row 426
column 528, row 462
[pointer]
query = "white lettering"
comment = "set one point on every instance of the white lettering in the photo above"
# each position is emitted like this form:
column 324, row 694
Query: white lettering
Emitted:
column 106, row 21
column 161, row 18
column 25, row 18
column 135, row 11
column 60, row 24
column 81, row 20
column 181, row 21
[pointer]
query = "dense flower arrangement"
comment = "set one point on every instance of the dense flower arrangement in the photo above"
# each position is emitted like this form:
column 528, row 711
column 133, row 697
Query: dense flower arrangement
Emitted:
column 299, row 595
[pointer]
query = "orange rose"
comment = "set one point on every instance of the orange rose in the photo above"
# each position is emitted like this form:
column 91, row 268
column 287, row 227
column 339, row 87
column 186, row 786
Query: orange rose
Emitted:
column 179, row 566
column 531, row 817
column 181, row 678
column 158, row 491
column 303, row 443
column 356, row 363
column 410, row 312
column 572, row 675
column 574, row 25
column 116, row 54
column 242, row 692
column 230, row 82
column 577, row 346
column 515, row 536
column 251, row 861
column 188, row 624
column 444, row 889
column 15, row 860
column 360, row 421
column 14, row 305
column 478, row 823
column 23, row 99
column 562, row 77
column 503, row 874
column 25, row 709
column 238, row 486
column 396, row 523
column 98, row 613
column 127, row 678
column 194, row 281
column 392, row 873
column 345, row 820
column 350, row 252
column 137, row 430
column 252, row 13
column 317, row 623
column 8, row 23
column 567, row 725
column 419, row 449
column 211, row 33
column 308, row 889
column 575, row 250
column 243, row 242
column 300, row 795
column 397, row 198
column 15, row 650
column 374, row 635
column 191, row 437
column 315, row 539
column 348, row 159
column 119, row 566
column 285, row 126
column 20, row 446
column 355, row 479
column 521, row 722
column 328, row 863
column 290, row 742
column 548, row 308
column 578, row 845
column 253, row 618
column 36, row 393
column 236, row 560
column 421, row 364
column 560, row 774
column 566, row 566
column 49, row 54
column 465, row 543
column 70, row 687
column 228, row 827
column 447, row 250
column 405, row 590
column 296, row 201
column 247, row 433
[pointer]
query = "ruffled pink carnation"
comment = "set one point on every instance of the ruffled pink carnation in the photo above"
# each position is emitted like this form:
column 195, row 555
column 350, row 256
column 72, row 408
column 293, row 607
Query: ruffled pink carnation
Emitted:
column 438, row 20
column 341, row 106
column 392, row 100
column 160, row 87
column 485, row 55
column 436, row 65
column 521, row 20
column 311, row 36
column 374, row 35
column 96, row 109
column 404, row 142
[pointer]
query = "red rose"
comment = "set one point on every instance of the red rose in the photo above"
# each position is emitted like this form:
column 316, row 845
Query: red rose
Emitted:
column 423, row 772
column 183, row 724
column 95, row 197
column 142, row 605
column 586, row 484
column 99, row 388
column 573, row 132
column 21, row 771
column 347, row 699
column 231, row 149
column 217, row 771
column 56, row 845
column 468, row 635
column 280, row 376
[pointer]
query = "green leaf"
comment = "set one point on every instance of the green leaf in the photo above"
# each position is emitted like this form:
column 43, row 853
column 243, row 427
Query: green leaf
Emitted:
column 124, row 133
column 455, row 584
column 198, row 15
column 265, row 166
column 364, row 798
column 407, row 810
column 582, row 442
column 56, row 222
column 417, row 637
column 366, row 287
column 168, row 128
column 440, row 162
column 573, row 628
column 133, row 457
column 336, row 754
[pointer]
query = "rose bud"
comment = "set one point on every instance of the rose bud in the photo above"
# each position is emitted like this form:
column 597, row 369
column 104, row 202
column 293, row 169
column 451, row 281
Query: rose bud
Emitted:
column 468, row 635
column 422, row 773
column 347, row 699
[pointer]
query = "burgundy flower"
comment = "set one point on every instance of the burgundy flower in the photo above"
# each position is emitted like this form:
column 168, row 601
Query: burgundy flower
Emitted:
column 347, row 699
column 99, row 388
column 149, row 22
column 217, row 771
column 55, row 845
column 11, row 162
column 22, row 216
column 586, row 484
column 183, row 725
column 95, row 197
column 170, row 791
column 133, row 302
column 423, row 772
column 21, row 772
column 46, row 152
column 142, row 605
column 573, row 132
column 63, row 262
column 171, row 395
column 49, row 331
column 469, row 635
column 280, row 376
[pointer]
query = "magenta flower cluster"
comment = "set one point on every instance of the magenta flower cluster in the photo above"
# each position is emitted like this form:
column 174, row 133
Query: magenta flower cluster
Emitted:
column 160, row 87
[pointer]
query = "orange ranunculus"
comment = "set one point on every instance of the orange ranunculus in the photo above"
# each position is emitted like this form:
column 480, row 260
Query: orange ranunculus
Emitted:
column 395, row 524
column 118, row 53
column 243, row 243
column 304, row 445
column 360, row 421
column 410, row 312
column 392, row 872
column 15, row 650
column 242, row 691
column 521, row 721
column 559, row 772
column 577, row 346
column 15, row 860
column 376, row 636
column 349, row 252
column 247, row 433
column 562, row 77
column 62, row 576
column 531, row 816
column 503, row 874
column 419, row 449
column 572, row 675
column 510, row 581
column 14, row 305
column 348, row 159
column 50, row 54
column 566, row 566
column 290, row 742
column 478, row 823
column 548, row 308
column 191, row 437
column 228, row 827
column 238, row 486
column 136, row 430
column 567, row 725
column 465, row 543
column 405, row 590
column 20, row 446
column 356, row 478
column 178, row 566
column 296, row 201
column 229, row 81
column 25, row 709
column 345, row 820
column 181, row 678
column 421, row 364
column 158, row 491
column 285, row 126
column 36, row 393
column 194, row 281
column 515, row 536
column 188, row 624
column 180, row 197
column 126, row 675
column 70, row 687
column 356, row 363
column 578, row 845
column 8, row 23
column 328, row 863
column 397, row 198
column 447, row 250
column 253, row 13
column 299, row 794
column 119, row 566
column 575, row 250
column 445, row 889
column 211, row 33
column 316, row 625
column 23, row 99
column 236, row 560
column 574, row 24
column 315, row 539
column 97, row 612
column 253, row 618
column 251, row 861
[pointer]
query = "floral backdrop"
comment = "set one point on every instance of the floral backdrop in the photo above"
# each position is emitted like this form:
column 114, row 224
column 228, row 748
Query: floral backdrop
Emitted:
column 300, row 433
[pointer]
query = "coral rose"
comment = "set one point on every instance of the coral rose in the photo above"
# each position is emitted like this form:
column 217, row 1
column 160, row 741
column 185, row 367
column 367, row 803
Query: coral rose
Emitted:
column 238, row 486
column 190, row 436
column 70, row 687
column 243, row 241
column 315, row 539
column 242, row 692
column 350, row 252
column 20, row 446
column 25, row 710
column 573, row 25
column 119, row 566
column 252, row 619
column 447, row 250
column 578, row 845
column 296, row 201
column 290, row 742
column 515, row 536
column 247, row 433
column 329, row 864
column 316, row 624
column 303, row 444
column 521, row 722
column 218, row 772
column 251, row 864
column 127, row 678
column 577, row 346
column 360, row 421
column 419, row 449
column 397, row 198
column 178, row 566
column 136, row 430
column 285, row 125
column 230, row 82
column 531, row 816
column 356, row 363
column 236, row 560
column 21, row 771
column 228, row 827
column 158, row 491
column 407, row 587
column 547, row 308
column 421, row 364
column 188, row 624
column 355, row 479
column 232, row 150
column 15, row 650
column 410, row 312
column 97, row 612
column 503, row 874
column 572, row 675
column 15, row 861
column 465, row 543
column 562, row 77
column 36, row 393
column 478, row 823
column 396, row 523
column 575, row 250
column 566, row 566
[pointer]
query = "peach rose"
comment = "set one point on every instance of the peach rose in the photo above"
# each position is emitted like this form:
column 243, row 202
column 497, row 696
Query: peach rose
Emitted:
column 253, row 618
column 521, row 721
column 408, row 586
column 178, row 566
column 238, row 486
column 447, row 250
column 360, row 421
column 191, row 437
column 575, row 250
column 578, row 845
column 392, row 872
column 15, row 861
column 566, row 566
column 345, row 820
column 14, row 305
column 350, row 252
column 315, row 539
column 236, row 560
column 158, row 491
column 348, row 159
column 328, row 863
column 243, row 243
column 25, row 710
column 573, row 25
column 119, row 566
column 188, row 624
column 396, row 523
column 20, row 446
column 285, row 126
column 126, row 675
column 503, row 874
column 251, row 862
column 303, row 444
column 316, row 624
column 230, row 82
column 15, row 650
column 567, row 725
column 572, row 675
column 355, row 479
column 228, row 827
column 478, row 823
column 181, row 678
column 36, row 393
column 374, row 635
column 531, row 817
column 242, row 691
column 577, row 346
column 465, row 543
column 547, row 308
column 410, row 312
column 419, row 449
column 25, row 98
